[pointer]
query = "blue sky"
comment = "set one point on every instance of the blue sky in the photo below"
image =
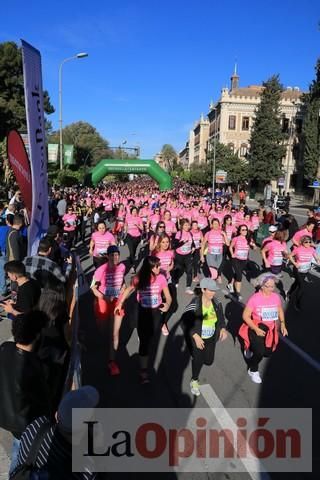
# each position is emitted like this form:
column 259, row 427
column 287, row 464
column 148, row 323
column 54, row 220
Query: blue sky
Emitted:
column 153, row 67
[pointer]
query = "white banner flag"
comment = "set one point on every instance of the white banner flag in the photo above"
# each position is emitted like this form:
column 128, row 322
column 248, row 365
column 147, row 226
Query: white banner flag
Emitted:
column 33, row 91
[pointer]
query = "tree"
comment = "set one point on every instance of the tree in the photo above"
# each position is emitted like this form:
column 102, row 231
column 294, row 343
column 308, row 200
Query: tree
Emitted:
column 236, row 168
column 310, row 130
column 169, row 157
column 89, row 145
column 267, row 147
column 12, row 105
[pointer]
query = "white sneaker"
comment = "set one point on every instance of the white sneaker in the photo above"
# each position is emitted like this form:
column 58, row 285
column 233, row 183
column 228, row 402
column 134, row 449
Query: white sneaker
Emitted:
column 255, row 376
column 247, row 354
column 230, row 287
column 189, row 291
column 177, row 285
column 194, row 385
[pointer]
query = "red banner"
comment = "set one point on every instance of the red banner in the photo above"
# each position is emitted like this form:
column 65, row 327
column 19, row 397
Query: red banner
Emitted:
column 19, row 162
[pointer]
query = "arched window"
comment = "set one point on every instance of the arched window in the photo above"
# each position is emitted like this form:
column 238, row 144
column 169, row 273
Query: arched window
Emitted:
column 231, row 146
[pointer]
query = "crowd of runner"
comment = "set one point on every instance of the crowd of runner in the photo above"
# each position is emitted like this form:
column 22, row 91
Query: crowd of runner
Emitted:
column 182, row 237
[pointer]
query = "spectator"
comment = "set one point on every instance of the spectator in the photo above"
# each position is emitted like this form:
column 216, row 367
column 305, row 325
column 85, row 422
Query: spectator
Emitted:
column 53, row 235
column 15, row 245
column 45, row 270
column 4, row 229
column 23, row 390
column 28, row 290
column 58, row 437
column 62, row 207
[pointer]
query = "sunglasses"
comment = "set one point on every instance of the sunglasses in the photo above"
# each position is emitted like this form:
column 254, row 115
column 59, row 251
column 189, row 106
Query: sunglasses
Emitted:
column 307, row 241
column 243, row 230
column 161, row 226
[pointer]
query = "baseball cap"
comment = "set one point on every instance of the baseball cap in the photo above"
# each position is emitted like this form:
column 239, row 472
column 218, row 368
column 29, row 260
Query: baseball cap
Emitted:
column 209, row 284
column 273, row 228
column 84, row 397
column 113, row 249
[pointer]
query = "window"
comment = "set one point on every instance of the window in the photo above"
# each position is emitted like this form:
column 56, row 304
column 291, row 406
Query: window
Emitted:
column 243, row 150
column 231, row 146
column 232, row 122
column 245, row 123
column 285, row 125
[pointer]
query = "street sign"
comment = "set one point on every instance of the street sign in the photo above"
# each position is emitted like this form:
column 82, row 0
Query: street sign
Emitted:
column 221, row 176
column 281, row 182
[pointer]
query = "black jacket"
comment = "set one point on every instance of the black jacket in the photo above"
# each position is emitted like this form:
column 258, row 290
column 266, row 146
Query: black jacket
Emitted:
column 23, row 390
column 192, row 318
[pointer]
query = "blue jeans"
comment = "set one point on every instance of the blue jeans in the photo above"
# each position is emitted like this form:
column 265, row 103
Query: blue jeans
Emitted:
column 3, row 284
column 14, row 454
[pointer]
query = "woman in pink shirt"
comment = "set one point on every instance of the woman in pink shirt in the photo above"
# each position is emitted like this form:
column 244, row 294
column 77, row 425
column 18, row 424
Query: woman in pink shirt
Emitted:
column 202, row 221
column 154, row 238
column 171, row 228
column 184, row 248
column 197, row 239
column 69, row 225
column 301, row 257
column 259, row 332
column 239, row 250
column 133, row 228
column 165, row 254
column 99, row 243
column 307, row 231
column 274, row 252
column 151, row 286
column 215, row 239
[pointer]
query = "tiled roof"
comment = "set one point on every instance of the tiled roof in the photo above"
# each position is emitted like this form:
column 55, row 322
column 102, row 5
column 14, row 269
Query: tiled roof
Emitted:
column 255, row 91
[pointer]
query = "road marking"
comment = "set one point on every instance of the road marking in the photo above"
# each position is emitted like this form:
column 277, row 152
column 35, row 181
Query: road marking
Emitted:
column 314, row 363
column 251, row 465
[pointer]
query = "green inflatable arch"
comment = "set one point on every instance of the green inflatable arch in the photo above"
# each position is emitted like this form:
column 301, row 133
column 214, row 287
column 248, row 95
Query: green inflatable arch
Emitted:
column 149, row 167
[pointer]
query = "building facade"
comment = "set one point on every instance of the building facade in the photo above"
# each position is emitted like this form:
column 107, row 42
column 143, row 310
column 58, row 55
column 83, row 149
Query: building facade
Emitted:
column 232, row 117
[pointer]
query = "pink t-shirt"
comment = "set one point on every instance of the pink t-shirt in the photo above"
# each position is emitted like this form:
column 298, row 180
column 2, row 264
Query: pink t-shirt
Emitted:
column 154, row 219
column 102, row 242
column 70, row 222
column 215, row 241
column 186, row 237
column 166, row 257
column 230, row 230
column 151, row 297
column 241, row 247
column 301, row 233
column 197, row 238
column 264, row 307
column 133, row 223
column 170, row 227
column 274, row 250
column 202, row 222
column 110, row 279
column 255, row 222
column 175, row 213
column 303, row 256
column 108, row 205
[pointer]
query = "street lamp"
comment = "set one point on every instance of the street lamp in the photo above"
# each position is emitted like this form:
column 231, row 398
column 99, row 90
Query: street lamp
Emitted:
column 214, row 152
column 78, row 55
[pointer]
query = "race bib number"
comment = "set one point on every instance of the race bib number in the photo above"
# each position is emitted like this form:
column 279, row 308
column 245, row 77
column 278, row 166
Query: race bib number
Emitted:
column 304, row 267
column 269, row 314
column 242, row 254
column 185, row 248
column 207, row 332
column 215, row 250
column 150, row 301
column 277, row 261
column 112, row 292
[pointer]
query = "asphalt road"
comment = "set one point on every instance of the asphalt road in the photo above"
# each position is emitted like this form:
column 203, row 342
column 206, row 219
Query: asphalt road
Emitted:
column 290, row 376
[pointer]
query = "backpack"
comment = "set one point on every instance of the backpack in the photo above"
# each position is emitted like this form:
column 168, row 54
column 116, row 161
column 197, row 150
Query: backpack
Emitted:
column 28, row 471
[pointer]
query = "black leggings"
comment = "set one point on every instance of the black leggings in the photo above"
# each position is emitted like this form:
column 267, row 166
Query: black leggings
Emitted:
column 174, row 304
column 183, row 263
column 202, row 357
column 298, row 285
column 258, row 348
column 196, row 262
column 132, row 243
column 149, row 322
column 238, row 267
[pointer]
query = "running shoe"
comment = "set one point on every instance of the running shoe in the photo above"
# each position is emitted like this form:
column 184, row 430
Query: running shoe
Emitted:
column 230, row 287
column 247, row 354
column 164, row 330
column 194, row 385
column 195, row 280
column 113, row 368
column 255, row 376
column 189, row 291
